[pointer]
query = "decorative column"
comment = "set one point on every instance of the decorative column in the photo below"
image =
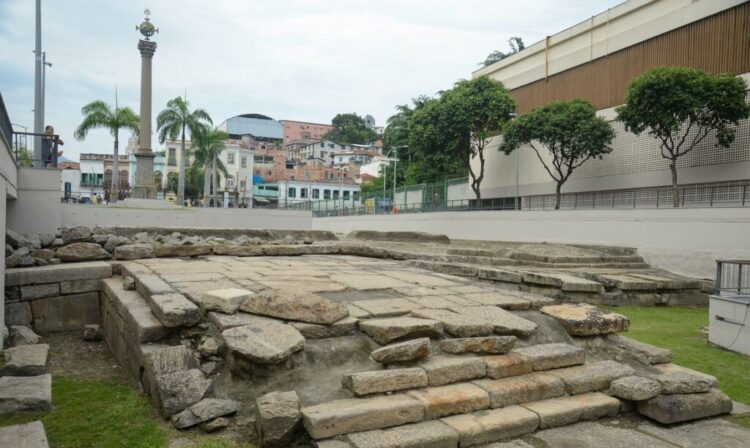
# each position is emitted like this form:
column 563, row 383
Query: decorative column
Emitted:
column 144, row 157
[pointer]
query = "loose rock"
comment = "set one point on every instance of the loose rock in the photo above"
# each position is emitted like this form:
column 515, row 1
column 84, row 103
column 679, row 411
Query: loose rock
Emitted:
column 82, row 252
column 265, row 341
column 92, row 333
column 301, row 307
column 488, row 344
column 402, row 352
column 224, row 300
column 278, row 418
column 75, row 234
column 25, row 360
column 22, row 335
column 133, row 251
column 582, row 319
column 203, row 411
column 387, row 330
column 635, row 388
column 178, row 390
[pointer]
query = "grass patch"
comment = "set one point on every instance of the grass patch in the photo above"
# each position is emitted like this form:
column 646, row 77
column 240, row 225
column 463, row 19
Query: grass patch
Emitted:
column 679, row 329
column 101, row 414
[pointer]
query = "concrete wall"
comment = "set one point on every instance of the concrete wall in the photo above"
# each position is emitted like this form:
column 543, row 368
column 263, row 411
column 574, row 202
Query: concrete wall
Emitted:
column 685, row 241
column 8, row 192
column 231, row 218
column 37, row 209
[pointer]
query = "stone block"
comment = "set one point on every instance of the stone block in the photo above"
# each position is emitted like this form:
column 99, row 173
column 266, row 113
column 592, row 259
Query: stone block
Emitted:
column 71, row 312
column 498, row 299
column 492, row 425
column 278, row 418
column 499, row 275
column 32, row 292
column 635, row 388
column 668, row 409
column 162, row 360
column 487, row 344
column 453, row 399
column 459, row 269
column 443, row 370
column 553, row 356
column 380, row 381
column 134, row 251
column 582, row 319
column 511, row 364
column 148, row 285
column 177, row 391
column 134, row 312
column 264, row 341
column 79, row 286
column 337, row 329
column 592, row 377
column 174, row 310
column 304, row 307
column 663, row 369
column 182, row 250
column 25, row 360
column 76, row 252
column 205, row 410
column 387, row 307
column 522, row 389
column 25, row 394
column 224, row 300
column 642, row 352
column 360, row 414
column 18, row 313
column 387, row 330
column 503, row 322
column 456, row 324
column 683, row 383
column 227, row 321
column 26, row 435
column 567, row 410
column 434, row 434
column 413, row 350
column 22, row 335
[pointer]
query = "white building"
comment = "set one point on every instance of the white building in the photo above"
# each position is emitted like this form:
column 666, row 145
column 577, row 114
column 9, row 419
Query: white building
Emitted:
column 70, row 183
column 92, row 176
column 292, row 192
column 328, row 151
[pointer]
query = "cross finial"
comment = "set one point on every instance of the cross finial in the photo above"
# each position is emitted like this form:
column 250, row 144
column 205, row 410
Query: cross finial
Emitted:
column 147, row 12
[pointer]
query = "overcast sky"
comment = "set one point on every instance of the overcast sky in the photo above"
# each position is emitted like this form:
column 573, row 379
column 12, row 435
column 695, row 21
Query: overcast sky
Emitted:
column 290, row 59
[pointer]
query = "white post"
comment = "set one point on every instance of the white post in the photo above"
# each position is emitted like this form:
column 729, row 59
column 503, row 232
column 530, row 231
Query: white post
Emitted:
column 38, row 94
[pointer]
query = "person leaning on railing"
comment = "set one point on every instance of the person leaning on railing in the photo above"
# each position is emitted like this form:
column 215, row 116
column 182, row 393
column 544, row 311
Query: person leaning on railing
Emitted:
column 49, row 148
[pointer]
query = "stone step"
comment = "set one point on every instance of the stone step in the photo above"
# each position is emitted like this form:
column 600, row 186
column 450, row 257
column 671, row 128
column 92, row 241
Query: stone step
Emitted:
column 442, row 370
column 593, row 377
column 25, row 393
column 453, row 399
column 582, row 319
column 25, row 360
column 566, row 282
column 387, row 330
column 503, row 322
column 432, row 434
column 26, row 435
column 169, row 306
column 567, row 410
column 522, row 389
column 553, row 356
column 380, row 381
column 456, row 324
column 492, row 425
column 668, row 409
column 134, row 312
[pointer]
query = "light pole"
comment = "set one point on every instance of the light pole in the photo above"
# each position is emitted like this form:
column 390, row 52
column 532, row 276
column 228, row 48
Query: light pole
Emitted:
column 38, row 99
column 395, row 171
column 513, row 115
column 385, row 176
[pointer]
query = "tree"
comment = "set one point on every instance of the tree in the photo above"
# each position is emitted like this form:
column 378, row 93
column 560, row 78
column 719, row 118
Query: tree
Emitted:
column 98, row 114
column 571, row 133
column 172, row 123
column 206, row 146
column 24, row 157
column 459, row 125
column 193, row 181
column 516, row 45
column 680, row 107
column 350, row 128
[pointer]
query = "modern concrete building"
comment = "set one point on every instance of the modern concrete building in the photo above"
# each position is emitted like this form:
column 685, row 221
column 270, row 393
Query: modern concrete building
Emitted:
column 260, row 127
column 595, row 60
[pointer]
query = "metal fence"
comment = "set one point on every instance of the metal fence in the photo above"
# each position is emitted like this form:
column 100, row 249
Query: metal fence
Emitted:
column 6, row 128
column 733, row 278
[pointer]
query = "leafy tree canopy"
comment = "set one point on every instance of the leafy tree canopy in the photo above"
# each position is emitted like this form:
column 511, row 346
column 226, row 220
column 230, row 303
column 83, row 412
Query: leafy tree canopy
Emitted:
column 516, row 45
column 569, row 131
column 350, row 128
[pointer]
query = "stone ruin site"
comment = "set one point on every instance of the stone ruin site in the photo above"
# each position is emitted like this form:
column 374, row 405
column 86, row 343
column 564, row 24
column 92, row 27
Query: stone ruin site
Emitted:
column 365, row 340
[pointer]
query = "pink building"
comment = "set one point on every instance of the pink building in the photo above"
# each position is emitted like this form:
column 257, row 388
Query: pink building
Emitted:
column 301, row 131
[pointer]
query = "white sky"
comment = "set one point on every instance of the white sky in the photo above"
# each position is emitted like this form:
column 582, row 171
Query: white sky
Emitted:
column 290, row 59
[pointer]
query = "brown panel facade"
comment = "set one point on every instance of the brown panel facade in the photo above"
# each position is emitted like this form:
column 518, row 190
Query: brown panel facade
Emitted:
column 716, row 44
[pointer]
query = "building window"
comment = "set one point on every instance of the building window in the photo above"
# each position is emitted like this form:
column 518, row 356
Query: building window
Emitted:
column 303, row 193
column 346, row 195
column 316, row 193
column 335, row 194
column 243, row 161
column 326, row 194
column 172, row 158
column 341, row 159
column 230, row 158
column 292, row 192
column 230, row 181
column 330, row 145
column 322, row 145
column 243, row 185
column 356, row 196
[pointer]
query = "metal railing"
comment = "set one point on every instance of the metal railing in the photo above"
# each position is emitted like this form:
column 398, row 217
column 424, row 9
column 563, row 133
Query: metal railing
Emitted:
column 24, row 155
column 6, row 128
column 733, row 278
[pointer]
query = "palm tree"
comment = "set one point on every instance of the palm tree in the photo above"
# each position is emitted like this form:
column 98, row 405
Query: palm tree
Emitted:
column 171, row 123
column 98, row 114
column 206, row 147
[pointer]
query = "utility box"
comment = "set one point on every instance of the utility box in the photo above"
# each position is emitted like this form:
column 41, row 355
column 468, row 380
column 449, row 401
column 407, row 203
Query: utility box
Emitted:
column 729, row 306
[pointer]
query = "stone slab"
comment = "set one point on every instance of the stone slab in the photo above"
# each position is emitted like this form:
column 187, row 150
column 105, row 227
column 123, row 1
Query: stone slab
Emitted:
column 635, row 388
column 492, row 425
column 406, row 351
column 443, row 370
column 225, row 321
column 57, row 273
column 26, row 435
column 432, row 301
column 592, row 377
column 511, row 364
column 553, row 356
column 226, row 300
column 368, row 281
column 499, row 275
column 63, row 313
column 380, row 381
column 337, row 329
column 663, row 369
column 645, row 353
column 503, row 322
column 484, row 345
column 456, row 324
column 504, row 301
column 582, row 319
column 668, row 409
column 174, row 310
column 265, row 341
column 25, row 360
column 134, row 311
column 278, row 418
column 387, row 330
column 596, row 435
column 521, row 389
column 304, row 307
column 32, row 292
column 360, row 414
column 205, row 410
column 683, row 383
column 567, row 410
column 453, row 399
column 714, row 432
column 148, row 285
column 79, row 286
column 434, row 434
column 25, row 393
column 387, row 307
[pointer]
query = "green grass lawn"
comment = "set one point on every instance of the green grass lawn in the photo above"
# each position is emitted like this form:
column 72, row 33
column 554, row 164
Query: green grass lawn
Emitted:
column 100, row 414
column 679, row 329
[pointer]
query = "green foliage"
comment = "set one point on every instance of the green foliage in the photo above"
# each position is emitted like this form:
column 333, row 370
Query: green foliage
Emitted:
column 681, row 106
column 679, row 329
column 350, row 128
column 96, row 414
column 193, row 182
column 569, row 131
column 515, row 44
column 25, row 157
column 457, row 126
column 172, row 123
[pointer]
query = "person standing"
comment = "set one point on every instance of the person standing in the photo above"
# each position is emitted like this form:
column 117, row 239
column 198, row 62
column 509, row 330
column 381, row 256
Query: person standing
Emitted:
column 49, row 148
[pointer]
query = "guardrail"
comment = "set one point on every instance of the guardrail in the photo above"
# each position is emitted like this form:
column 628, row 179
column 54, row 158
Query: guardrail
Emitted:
column 733, row 278
column 6, row 128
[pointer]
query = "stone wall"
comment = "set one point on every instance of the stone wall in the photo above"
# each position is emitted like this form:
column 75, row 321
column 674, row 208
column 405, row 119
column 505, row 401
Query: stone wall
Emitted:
column 56, row 297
